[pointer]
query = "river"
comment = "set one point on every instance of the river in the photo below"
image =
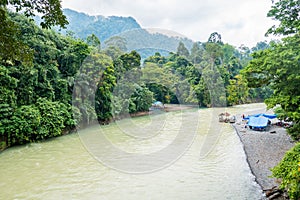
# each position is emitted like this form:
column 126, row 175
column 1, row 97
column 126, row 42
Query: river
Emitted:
column 206, row 161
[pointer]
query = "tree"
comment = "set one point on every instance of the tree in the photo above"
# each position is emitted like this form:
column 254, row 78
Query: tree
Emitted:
column 142, row 99
column 156, row 58
column 289, row 171
column 287, row 12
column 10, row 39
column 35, row 99
column 159, row 80
column 215, row 37
column 260, row 46
column 11, row 47
column 94, row 41
column 237, row 91
column 214, row 52
column 51, row 11
column 278, row 67
column 182, row 50
column 117, row 41
column 196, row 53
column 131, row 60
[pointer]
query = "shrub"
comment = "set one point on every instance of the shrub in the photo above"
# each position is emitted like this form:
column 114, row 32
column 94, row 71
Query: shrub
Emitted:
column 23, row 125
column 289, row 171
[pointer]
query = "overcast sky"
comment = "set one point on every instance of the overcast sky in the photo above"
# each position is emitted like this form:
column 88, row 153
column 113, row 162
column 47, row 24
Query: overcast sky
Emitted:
column 238, row 21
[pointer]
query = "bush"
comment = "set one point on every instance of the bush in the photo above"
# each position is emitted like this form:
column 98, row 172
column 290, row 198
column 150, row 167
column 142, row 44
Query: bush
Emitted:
column 294, row 131
column 53, row 118
column 289, row 171
column 39, row 121
column 23, row 125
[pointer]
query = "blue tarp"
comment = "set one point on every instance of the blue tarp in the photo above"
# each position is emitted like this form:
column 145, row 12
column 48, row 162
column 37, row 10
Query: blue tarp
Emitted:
column 269, row 116
column 258, row 122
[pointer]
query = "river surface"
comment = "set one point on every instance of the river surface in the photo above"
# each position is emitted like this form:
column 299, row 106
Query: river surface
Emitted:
column 206, row 161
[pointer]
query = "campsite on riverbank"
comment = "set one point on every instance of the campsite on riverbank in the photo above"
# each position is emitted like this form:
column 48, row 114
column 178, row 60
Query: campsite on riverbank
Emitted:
column 264, row 150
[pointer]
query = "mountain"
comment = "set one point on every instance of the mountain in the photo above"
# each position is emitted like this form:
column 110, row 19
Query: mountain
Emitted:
column 84, row 25
column 145, row 41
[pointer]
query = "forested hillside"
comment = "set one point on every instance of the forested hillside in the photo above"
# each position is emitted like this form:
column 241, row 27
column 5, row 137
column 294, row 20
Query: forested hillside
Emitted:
column 114, row 29
column 84, row 25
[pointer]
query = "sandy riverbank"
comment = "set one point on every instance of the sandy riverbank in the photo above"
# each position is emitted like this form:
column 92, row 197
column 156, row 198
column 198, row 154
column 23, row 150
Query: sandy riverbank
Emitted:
column 264, row 150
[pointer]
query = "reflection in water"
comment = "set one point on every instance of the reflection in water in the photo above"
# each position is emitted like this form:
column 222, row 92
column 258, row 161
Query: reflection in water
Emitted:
column 62, row 168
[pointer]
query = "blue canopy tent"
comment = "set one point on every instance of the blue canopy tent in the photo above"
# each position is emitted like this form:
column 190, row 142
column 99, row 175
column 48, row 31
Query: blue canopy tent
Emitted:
column 269, row 116
column 259, row 121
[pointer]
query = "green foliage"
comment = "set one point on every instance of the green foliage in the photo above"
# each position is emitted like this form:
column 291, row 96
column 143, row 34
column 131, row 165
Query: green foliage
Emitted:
column 6, row 112
column 94, row 41
column 118, row 42
column 214, row 52
column 182, row 50
column 287, row 12
column 50, row 9
column 10, row 37
column 215, row 37
column 279, row 68
column 141, row 99
column 156, row 58
column 103, row 94
column 197, row 52
column 280, row 113
column 131, row 60
column 288, row 170
column 208, row 77
column 30, row 123
column 159, row 80
column 24, row 125
column 294, row 130
column 12, row 48
column 8, row 85
column 54, row 118
column 237, row 91
column 35, row 99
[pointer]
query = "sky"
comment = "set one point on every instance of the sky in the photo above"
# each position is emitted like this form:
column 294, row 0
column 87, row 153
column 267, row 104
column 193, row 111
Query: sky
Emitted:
column 238, row 21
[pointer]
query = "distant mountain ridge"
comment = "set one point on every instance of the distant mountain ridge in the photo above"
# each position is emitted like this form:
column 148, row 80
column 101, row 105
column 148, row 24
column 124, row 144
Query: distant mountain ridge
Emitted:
column 84, row 25
column 145, row 41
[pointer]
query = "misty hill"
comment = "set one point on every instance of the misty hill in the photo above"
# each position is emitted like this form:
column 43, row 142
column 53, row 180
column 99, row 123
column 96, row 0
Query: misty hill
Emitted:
column 146, row 42
column 84, row 25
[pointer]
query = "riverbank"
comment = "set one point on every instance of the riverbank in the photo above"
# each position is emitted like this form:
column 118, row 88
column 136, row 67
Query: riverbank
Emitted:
column 264, row 150
column 167, row 108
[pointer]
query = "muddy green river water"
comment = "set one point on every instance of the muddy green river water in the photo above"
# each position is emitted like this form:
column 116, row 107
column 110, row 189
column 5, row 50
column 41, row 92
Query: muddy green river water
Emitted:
column 174, row 155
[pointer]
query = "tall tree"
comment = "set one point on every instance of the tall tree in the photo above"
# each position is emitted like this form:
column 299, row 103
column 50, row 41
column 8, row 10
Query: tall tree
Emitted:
column 215, row 37
column 182, row 50
column 94, row 41
column 196, row 53
column 11, row 49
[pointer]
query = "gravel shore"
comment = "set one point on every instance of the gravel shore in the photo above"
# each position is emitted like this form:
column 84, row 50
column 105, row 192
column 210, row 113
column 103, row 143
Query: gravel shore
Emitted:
column 264, row 150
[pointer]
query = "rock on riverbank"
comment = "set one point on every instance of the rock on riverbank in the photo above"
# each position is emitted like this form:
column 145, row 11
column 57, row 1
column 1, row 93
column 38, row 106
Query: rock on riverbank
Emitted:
column 264, row 150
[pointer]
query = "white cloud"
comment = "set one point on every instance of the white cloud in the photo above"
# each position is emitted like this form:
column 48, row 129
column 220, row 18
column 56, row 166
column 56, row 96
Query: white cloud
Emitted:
column 239, row 22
